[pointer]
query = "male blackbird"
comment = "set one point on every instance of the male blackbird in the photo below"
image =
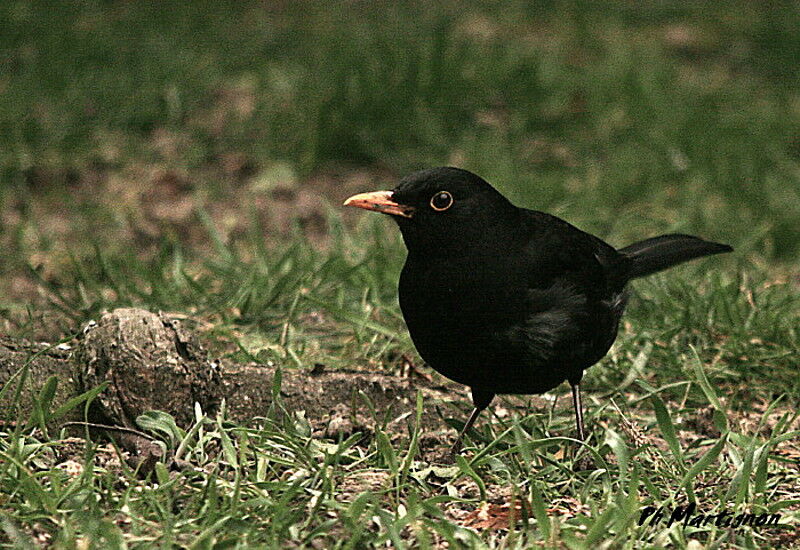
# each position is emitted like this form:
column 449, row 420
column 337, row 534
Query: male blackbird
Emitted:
column 505, row 299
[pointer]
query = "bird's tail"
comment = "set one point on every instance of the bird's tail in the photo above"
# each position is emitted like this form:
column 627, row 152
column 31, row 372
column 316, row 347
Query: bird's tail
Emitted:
column 653, row 255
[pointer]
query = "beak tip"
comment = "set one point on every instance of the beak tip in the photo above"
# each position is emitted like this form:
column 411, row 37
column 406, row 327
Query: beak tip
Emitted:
column 379, row 201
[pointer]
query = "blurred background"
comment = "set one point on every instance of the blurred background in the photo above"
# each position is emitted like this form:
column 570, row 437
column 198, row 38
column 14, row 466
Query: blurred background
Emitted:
column 195, row 158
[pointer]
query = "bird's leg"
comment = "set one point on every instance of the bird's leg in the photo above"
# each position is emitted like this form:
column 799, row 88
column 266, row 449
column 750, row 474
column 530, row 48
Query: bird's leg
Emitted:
column 586, row 462
column 576, row 404
column 481, row 400
column 456, row 448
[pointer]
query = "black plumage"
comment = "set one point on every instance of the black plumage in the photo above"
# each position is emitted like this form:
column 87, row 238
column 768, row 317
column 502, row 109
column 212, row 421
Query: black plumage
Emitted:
column 507, row 300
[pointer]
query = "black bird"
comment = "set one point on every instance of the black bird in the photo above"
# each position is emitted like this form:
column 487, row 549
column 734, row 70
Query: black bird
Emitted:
column 507, row 300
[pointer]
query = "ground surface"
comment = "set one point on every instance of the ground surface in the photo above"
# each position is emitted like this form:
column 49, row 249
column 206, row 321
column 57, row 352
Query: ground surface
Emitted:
column 193, row 165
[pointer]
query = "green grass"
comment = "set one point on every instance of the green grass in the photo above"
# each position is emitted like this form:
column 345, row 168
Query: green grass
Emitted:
column 627, row 120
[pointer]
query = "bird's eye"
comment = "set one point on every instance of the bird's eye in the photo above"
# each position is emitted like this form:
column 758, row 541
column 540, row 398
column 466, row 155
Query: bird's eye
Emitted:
column 441, row 201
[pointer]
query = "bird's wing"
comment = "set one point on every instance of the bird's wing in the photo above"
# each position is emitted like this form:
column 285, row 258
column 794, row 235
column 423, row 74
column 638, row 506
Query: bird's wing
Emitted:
column 558, row 251
column 574, row 296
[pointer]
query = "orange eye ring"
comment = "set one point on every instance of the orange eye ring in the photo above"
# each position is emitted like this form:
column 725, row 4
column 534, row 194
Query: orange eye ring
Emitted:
column 441, row 201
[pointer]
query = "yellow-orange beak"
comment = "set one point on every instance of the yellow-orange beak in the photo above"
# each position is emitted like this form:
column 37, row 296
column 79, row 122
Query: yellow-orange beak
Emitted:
column 380, row 201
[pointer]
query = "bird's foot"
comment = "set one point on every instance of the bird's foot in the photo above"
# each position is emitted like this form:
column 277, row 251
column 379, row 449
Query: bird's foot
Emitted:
column 446, row 456
column 584, row 463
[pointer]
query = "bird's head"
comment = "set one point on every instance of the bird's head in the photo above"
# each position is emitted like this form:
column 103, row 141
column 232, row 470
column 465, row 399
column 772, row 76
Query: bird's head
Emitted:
column 442, row 210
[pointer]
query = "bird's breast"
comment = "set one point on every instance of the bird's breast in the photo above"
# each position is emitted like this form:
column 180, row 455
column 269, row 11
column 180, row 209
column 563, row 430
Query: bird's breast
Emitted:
column 451, row 307
column 455, row 293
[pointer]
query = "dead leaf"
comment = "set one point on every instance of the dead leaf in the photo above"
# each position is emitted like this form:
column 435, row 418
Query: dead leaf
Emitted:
column 568, row 507
column 492, row 516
